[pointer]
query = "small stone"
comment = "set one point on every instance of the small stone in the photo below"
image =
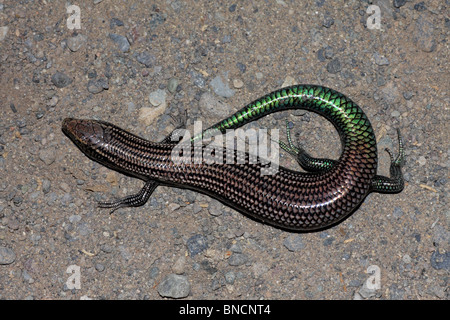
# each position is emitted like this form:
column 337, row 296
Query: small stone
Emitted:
column 399, row 3
column 46, row 184
column 230, row 277
column 238, row 83
column 380, row 60
column 61, row 80
column 395, row 114
column 420, row 6
column 97, row 86
column 3, row 32
column 423, row 35
column 328, row 22
column 120, row 41
column 48, row 156
column 115, row 23
column 439, row 260
column 196, row 244
column 237, row 259
column 7, row 256
column 75, row 43
column 174, row 286
column 406, row 258
column 220, row 87
column 422, row 161
column 99, row 267
column 408, row 95
column 146, row 59
column 179, row 265
column 289, row 81
column 294, row 242
column 334, row 66
column 157, row 97
column 172, row 85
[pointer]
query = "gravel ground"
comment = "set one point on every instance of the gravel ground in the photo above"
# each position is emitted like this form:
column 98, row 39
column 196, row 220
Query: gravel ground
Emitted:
column 138, row 65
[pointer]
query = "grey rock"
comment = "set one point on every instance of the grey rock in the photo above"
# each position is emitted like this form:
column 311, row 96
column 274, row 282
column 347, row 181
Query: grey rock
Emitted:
column 61, row 80
column 97, row 86
column 380, row 60
column 172, row 85
column 440, row 260
column 48, row 155
column 328, row 22
column 237, row 259
column 230, row 277
column 196, row 244
column 146, row 59
column 334, row 66
column 7, row 256
column 76, row 42
column 154, row 272
column 121, row 42
column 423, row 35
column 157, row 97
column 174, row 286
column 46, row 184
column 399, row 3
column 220, row 87
column 3, row 32
column 294, row 242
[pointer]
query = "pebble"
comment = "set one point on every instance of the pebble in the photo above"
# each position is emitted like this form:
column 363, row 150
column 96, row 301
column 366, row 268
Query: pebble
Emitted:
column 99, row 267
column 179, row 265
column 7, row 256
column 61, row 80
column 220, row 87
column 380, row 60
column 157, row 97
column 3, row 32
column 196, row 244
column 439, row 260
column 121, row 42
column 237, row 259
column 399, row 3
column 328, row 22
column 172, row 85
column 422, row 161
column 48, row 156
column 115, row 23
column 174, row 286
column 238, row 83
column 230, row 277
column 75, row 43
column 98, row 85
column 146, row 59
column 46, row 184
column 334, row 66
column 294, row 242
column 395, row 114
column 408, row 95
column 423, row 35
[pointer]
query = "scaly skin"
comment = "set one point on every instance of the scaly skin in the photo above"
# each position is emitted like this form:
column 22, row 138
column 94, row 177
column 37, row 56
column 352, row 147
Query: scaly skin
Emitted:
column 322, row 197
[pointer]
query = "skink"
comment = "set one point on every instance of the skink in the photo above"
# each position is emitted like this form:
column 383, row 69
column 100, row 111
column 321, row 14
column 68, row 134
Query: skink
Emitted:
column 323, row 196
